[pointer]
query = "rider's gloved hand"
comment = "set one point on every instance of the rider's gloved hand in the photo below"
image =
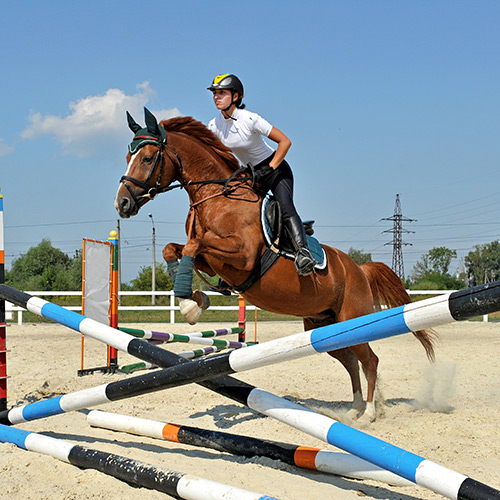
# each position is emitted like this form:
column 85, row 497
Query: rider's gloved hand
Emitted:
column 264, row 177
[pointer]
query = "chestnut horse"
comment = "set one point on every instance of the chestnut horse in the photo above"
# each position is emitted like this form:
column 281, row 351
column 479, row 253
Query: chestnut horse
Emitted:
column 225, row 238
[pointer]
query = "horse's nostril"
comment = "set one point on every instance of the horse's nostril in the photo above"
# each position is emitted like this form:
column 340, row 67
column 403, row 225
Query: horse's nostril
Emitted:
column 124, row 205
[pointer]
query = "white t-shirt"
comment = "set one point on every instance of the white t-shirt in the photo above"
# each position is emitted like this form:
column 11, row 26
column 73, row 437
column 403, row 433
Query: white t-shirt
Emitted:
column 244, row 135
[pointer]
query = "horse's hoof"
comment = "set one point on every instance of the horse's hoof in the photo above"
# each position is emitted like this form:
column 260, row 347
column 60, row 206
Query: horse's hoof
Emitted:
column 202, row 299
column 190, row 310
column 369, row 415
column 366, row 419
column 354, row 413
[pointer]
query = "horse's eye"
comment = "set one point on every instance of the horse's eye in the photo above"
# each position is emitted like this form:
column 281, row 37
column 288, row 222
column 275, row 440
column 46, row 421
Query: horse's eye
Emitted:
column 147, row 159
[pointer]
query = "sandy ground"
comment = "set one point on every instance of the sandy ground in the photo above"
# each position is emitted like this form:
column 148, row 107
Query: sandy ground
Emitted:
column 446, row 412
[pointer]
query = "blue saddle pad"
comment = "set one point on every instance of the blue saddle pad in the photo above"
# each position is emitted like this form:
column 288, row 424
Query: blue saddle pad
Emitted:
column 314, row 245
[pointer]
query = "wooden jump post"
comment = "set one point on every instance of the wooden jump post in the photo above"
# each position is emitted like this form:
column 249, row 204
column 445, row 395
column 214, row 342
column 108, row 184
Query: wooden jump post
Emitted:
column 425, row 314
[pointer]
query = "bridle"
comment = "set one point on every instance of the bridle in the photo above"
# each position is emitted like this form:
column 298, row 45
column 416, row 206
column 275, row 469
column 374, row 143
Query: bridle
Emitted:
column 150, row 192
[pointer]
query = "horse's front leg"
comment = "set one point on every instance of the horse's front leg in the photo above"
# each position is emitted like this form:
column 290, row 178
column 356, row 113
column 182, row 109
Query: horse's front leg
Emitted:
column 228, row 250
column 171, row 255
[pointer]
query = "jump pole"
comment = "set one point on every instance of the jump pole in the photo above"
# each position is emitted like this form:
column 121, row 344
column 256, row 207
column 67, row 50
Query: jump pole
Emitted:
column 459, row 305
column 168, row 337
column 195, row 353
column 225, row 344
column 173, row 483
column 330, row 462
column 415, row 316
column 202, row 338
column 3, row 323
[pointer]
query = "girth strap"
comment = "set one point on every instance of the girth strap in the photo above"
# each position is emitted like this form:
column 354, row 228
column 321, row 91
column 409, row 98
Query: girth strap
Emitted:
column 269, row 257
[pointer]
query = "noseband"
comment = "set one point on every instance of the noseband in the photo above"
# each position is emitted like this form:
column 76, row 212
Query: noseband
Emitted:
column 151, row 192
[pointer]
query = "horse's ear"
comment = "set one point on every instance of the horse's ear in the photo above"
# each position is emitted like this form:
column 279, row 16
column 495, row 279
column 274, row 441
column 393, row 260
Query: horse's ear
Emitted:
column 151, row 123
column 135, row 127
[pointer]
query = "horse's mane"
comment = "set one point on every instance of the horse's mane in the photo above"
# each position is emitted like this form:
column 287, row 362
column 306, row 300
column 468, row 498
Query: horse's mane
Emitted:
column 189, row 126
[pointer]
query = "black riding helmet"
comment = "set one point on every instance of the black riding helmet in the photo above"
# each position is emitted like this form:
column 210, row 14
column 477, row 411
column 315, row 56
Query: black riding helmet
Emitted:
column 229, row 82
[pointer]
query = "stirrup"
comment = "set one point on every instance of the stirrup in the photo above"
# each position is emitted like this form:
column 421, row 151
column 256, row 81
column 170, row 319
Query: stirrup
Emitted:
column 304, row 262
column 222, row 287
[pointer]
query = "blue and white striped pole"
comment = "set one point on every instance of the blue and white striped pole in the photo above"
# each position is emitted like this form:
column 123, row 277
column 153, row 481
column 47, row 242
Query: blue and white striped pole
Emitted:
column 138, row 473
column 416, row 316
column 411, row 317
column 416, row 469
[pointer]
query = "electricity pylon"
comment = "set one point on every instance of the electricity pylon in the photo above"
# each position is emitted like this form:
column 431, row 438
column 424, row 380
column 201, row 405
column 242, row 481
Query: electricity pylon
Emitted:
column 397, row 239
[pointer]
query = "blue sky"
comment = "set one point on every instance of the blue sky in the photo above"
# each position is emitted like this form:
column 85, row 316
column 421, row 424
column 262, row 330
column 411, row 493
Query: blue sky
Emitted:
column 379, row 98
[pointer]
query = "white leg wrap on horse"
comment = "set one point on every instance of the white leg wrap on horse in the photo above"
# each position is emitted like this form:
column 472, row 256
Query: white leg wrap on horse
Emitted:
column 190, row 310
column 369, row 414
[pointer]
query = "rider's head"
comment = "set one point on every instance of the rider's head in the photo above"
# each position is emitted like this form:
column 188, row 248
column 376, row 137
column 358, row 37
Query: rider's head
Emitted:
column 232, row 84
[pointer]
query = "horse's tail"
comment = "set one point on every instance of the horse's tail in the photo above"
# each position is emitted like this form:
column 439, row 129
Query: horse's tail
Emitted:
column 388, row 289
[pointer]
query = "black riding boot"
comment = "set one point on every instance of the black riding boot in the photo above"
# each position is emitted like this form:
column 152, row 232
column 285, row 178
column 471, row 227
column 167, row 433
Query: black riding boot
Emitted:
column 304, row 261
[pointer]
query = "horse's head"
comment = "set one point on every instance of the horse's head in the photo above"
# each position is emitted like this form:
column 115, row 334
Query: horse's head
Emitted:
column 149, row 170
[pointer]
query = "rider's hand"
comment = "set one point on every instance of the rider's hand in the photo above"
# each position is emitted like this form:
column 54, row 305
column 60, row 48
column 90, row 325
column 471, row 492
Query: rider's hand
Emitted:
column 264, row 177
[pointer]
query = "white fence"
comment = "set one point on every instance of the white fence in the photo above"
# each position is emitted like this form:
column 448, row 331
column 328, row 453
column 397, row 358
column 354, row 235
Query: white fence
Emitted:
column 172, row 307
column 10, row 308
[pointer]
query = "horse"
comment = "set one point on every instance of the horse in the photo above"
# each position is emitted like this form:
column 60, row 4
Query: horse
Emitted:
column 225, row 238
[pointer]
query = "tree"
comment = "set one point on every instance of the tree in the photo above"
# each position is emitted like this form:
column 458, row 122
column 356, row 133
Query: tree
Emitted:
column 483, row 263
column 431, row 272
column 143, row 281
column 46, row 268
column 436, row 260
column 359, row 256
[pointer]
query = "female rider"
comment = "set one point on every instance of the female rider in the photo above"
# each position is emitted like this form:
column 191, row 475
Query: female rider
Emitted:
column 242, row 131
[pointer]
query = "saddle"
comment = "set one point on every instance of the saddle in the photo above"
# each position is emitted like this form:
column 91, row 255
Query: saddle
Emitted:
column 274, row 235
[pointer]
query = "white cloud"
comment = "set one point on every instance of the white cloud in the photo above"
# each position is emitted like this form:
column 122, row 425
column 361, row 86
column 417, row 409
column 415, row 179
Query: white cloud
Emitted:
column 5, row 149
column 95, row 121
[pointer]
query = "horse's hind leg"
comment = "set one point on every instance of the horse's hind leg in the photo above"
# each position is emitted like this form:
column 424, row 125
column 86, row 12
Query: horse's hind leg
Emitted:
column 369, row 362
column 350, row 363
column 349, row 358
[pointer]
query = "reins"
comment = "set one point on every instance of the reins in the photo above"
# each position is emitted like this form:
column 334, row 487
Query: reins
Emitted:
column 151, row 192
column 226, row 191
